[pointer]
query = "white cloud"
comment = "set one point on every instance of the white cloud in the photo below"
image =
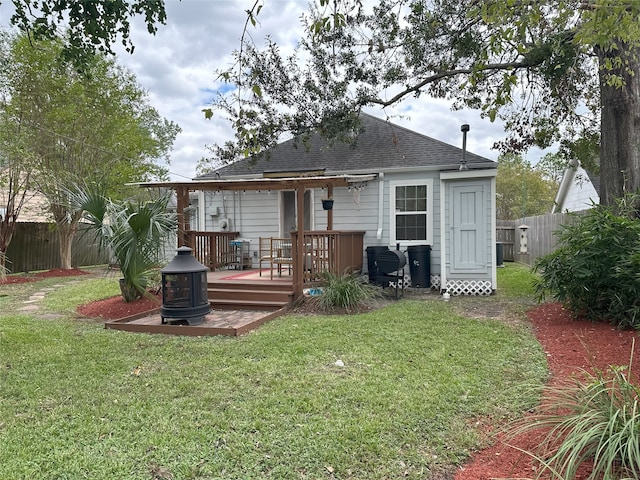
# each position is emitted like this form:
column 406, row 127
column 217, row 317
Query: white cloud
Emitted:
column 177, row 67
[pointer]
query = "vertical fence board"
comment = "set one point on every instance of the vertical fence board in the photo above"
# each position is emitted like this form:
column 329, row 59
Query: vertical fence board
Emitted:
column 541, row 234
column 35, row 246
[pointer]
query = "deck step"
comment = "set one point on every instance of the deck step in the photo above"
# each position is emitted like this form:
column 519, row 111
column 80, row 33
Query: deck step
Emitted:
column 249, row 295
column 223, row 304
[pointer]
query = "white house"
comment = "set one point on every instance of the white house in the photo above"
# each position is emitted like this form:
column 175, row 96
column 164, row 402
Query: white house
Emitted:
column 577, row 191
column 401, row 188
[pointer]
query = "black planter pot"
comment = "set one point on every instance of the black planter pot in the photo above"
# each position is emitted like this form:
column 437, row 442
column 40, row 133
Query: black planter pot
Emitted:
column 327, row 203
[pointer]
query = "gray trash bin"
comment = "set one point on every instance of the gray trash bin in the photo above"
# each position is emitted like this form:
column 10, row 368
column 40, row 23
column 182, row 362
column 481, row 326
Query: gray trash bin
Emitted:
column 420, row 265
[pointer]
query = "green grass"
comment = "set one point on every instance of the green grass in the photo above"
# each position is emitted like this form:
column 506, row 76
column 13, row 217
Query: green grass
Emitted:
column 84, row 291
column 269, row 405
column 515, row 280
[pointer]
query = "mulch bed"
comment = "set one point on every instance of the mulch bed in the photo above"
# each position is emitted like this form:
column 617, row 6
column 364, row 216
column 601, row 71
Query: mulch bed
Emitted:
column 571, row 346
column 24, row 278
column 115, row 308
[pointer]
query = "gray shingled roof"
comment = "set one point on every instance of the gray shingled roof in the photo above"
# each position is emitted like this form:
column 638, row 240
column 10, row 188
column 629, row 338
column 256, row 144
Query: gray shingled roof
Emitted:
column 382, row 146
column 595, row 180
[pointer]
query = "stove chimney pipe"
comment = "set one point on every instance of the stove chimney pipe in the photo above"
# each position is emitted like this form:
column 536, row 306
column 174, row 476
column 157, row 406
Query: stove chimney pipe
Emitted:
column 463, row 163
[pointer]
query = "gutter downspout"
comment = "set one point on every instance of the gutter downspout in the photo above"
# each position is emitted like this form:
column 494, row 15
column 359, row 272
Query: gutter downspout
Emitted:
column 380, row 204
column 568, row 177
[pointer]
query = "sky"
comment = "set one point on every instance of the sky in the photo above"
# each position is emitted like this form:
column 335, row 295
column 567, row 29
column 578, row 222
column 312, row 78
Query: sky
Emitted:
column 177, row 67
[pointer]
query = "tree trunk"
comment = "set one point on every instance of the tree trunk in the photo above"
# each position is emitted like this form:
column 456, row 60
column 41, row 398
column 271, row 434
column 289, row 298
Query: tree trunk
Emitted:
column 67, row 227
column 7, row 229
column 620, row 127
column 65, row 237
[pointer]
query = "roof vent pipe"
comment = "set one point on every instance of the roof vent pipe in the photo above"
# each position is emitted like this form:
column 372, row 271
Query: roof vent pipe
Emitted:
column 463, row 163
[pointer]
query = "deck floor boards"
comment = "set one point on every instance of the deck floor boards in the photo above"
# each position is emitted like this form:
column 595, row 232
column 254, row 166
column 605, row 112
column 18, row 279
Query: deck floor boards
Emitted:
column 229, row 322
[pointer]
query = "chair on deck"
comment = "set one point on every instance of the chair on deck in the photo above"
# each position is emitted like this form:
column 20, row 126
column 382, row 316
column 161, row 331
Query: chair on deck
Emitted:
column 265, row 253
column 281, row 254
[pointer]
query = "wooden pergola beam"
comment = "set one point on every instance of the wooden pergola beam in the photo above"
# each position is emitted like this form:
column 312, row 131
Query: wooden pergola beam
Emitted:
column 263, row 184
column 299, row 184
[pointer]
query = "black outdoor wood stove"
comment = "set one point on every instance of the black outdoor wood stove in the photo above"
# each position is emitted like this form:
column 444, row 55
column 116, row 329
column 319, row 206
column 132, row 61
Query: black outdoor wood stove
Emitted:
column 184, row 290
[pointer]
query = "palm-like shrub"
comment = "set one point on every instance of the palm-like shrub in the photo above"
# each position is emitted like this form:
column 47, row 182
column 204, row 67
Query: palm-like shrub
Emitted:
column 133, row 232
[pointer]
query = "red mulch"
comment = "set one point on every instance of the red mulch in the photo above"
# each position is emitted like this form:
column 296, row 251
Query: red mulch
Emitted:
column 59, row 272
column 570, row 345
column 115, row 308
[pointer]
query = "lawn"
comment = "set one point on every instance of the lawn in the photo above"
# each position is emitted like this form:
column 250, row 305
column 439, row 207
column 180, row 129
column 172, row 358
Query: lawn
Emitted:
column 391, row 394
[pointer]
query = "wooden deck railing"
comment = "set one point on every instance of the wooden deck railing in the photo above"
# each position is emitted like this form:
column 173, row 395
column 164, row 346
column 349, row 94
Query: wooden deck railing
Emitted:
column 212, row 249
column 332, row 251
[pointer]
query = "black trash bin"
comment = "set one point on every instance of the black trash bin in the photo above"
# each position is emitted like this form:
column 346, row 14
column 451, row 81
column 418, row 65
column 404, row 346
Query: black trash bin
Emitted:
column 420, row 265
column 499, row 255
column 372, row 254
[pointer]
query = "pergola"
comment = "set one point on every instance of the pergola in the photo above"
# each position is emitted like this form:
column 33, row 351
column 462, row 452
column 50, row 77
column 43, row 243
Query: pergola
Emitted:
column 273, row 182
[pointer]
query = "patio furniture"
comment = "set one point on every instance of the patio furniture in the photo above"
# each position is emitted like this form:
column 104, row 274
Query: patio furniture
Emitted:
column 264, row 252
column 281, row 254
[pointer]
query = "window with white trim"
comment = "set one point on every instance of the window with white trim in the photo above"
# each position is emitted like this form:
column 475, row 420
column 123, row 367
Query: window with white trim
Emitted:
column 411, row 220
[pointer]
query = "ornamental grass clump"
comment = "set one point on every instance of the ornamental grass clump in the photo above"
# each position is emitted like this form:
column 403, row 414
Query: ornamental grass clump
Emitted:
column 593, row 424
column 345, row 291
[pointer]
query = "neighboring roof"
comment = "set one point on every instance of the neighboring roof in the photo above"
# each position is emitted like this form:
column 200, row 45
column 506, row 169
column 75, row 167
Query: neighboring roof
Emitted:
column 578, row 189
column 595, row 180
column 382, row 146
column 35, row 207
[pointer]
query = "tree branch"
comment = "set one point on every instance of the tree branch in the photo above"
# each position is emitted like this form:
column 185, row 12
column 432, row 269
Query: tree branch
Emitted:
column 448, row 74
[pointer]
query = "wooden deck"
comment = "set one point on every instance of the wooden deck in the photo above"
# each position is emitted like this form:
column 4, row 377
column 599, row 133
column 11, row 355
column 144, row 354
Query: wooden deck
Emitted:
column 242, row 300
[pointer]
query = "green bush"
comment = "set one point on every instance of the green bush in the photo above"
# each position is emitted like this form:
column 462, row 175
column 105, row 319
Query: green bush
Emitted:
column 593, row 423
column 345, row 291
column 595, row 271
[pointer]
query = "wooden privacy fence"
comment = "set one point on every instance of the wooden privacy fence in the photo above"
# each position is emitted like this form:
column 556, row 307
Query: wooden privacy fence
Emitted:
column 541, row 238
column 35, row 246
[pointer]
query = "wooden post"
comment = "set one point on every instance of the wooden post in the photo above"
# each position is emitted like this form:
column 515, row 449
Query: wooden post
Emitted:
column 299, row 260
column 330, row 212
column 182, row 196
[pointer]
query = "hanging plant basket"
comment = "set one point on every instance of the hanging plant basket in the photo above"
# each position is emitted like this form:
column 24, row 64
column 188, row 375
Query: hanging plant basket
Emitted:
column 327, row 203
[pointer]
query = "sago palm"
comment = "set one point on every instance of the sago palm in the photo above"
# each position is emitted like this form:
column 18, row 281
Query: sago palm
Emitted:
column 133, row 232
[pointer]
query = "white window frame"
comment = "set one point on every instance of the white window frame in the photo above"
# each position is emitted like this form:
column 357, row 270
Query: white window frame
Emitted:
column 428, row 183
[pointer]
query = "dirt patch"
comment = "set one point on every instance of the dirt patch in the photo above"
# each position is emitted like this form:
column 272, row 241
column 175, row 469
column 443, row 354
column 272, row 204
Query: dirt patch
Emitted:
column 570, row 345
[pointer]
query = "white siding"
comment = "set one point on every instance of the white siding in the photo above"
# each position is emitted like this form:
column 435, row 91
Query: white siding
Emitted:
column 581, row 193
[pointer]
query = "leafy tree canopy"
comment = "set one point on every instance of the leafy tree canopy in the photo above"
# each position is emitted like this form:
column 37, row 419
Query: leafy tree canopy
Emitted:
column 91, row 126
column 540, row 66
column 90, row 26
column 522, row 190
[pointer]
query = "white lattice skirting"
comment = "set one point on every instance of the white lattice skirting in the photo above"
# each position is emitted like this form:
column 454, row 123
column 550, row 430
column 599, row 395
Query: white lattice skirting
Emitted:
column 469, row 287
column 406, row 282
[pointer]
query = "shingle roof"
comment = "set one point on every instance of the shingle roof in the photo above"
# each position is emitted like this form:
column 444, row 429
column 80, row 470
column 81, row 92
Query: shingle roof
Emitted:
column 382, row 146
column 595, row 180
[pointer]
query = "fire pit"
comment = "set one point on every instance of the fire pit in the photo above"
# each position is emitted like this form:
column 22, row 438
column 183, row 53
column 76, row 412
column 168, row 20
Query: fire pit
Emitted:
column 184, row 290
